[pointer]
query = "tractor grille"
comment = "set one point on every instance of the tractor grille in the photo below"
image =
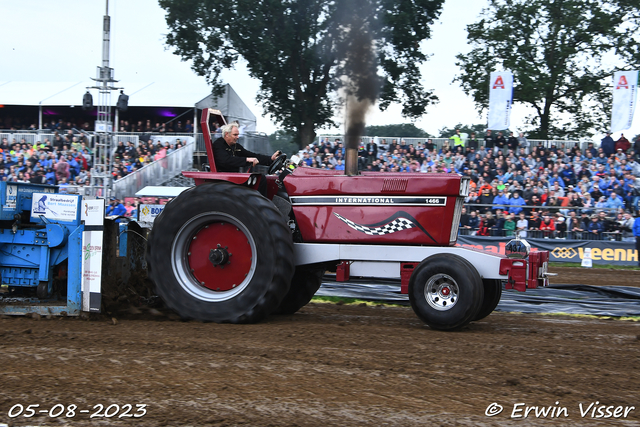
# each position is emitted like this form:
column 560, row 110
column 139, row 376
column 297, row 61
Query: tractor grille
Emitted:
column 394, row 185
column 457, row 213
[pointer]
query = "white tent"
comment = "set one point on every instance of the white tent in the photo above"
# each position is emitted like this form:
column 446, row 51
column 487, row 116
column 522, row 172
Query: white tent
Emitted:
column 231, row 107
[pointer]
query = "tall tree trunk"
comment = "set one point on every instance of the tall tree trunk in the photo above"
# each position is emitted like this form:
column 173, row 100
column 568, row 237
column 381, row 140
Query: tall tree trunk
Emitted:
column 306, row 133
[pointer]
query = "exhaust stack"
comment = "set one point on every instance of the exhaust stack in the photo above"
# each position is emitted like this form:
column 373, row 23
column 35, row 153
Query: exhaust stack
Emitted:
column 355, row 129
column 361, row 82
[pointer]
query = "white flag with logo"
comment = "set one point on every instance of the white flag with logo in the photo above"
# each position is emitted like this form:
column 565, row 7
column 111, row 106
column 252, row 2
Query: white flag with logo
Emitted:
column 625, row 92
column 500, row 99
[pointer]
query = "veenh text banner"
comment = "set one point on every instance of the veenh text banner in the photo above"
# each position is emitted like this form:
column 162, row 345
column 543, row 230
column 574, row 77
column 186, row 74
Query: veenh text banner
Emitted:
column 602, row 251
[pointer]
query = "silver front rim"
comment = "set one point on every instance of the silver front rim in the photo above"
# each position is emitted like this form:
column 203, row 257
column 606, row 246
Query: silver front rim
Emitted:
column 441, row 292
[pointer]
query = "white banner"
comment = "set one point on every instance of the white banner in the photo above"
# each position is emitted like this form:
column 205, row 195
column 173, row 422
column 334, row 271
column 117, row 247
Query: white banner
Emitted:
column 625, row 92
column 92, row 242
column 500, row 99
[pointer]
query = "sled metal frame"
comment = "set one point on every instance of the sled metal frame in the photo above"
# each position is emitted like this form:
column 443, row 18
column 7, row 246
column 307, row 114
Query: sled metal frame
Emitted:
column 384, row 261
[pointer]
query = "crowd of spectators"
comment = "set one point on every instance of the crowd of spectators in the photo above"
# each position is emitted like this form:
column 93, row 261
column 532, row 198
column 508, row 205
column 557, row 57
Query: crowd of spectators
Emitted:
column 140, row 126
column 517, row 186
column 65, row 160
column 146, row 126
column 68, row 157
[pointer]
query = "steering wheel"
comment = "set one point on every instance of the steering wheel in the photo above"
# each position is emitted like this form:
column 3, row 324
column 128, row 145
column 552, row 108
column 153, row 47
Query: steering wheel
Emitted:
column 277, row 164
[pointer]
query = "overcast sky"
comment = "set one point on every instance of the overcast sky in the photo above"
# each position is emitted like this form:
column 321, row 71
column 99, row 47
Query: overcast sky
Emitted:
column 61, row 41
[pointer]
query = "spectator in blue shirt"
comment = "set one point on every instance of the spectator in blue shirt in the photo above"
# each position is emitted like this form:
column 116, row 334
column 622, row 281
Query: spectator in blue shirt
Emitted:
column 595, row 228
column 501, row 200
column 515, row 203
column 474, row 220
column 614, row 202
column 568, row 175
column 555, row 178
column 50, row 176
column 115, row 208
column 74, row 166
column 608, row 145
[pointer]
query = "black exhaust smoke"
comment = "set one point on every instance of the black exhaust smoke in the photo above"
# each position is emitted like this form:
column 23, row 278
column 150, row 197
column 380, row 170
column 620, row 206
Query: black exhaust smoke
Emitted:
column 361, row 82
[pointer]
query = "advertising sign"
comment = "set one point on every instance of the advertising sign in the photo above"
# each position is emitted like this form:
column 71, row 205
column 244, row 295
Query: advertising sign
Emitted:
column 500, row 99
column 92, row 247
column 603, row 252
column 625, row 92
column 148, row 213
column 56, row 207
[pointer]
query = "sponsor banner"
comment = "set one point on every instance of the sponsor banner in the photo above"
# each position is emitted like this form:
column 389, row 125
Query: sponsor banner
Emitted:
column 11, row 194
column 625, row 92
column 56, row 207
column 148, row 213
column 11, row 197
column 603, row 252
column 93, row 212
column 92, row 246
column 355, row 200
column 500, row 99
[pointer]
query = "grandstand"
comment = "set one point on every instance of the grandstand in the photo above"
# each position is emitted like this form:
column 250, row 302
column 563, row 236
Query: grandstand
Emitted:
column 56, row 133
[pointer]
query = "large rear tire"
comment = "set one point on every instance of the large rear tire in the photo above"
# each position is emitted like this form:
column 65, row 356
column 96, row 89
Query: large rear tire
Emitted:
column 492, row 295
column 222, row 253
column 304, row 285
column 445, row 291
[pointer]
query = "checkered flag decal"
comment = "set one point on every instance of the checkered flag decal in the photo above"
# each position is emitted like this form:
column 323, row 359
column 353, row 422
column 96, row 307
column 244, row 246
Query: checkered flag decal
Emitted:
column 397, row 224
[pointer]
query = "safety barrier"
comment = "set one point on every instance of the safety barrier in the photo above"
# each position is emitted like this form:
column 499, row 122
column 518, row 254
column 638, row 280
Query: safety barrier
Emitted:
column 439, row 142
column 155, row 173
column 603, row 252
column 613, row 236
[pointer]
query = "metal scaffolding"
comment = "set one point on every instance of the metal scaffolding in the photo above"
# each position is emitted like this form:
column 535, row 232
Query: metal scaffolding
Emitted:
column 102, row 171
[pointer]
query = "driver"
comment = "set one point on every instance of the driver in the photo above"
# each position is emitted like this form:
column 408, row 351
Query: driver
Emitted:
column 231, row 156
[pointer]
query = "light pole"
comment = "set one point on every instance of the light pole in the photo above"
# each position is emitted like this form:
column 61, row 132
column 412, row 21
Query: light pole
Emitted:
column 101, row 172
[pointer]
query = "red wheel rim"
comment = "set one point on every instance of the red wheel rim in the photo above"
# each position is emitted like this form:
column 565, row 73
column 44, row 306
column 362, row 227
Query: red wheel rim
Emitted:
column 231, row 240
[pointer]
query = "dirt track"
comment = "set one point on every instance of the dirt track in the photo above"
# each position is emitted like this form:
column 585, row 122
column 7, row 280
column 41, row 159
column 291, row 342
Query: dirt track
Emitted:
column 596, row 276
column 328, row 365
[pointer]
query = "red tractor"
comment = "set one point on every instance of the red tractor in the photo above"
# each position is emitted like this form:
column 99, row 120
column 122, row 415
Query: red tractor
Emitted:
column 223, row 252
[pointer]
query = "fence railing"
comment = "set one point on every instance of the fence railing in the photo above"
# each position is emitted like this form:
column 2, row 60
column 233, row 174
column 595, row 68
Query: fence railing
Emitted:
column 384, row 142
column 33, row 137
column 543, row 234
column 253, row 141
column 529, row 208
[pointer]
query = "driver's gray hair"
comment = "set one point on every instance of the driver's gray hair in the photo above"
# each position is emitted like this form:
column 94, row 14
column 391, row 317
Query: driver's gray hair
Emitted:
column 227, row 129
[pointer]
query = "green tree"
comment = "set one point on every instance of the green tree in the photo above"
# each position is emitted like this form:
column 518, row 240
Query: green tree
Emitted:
column 403, row 130
column 562, row 54
column 283, row 141
column 296, row 49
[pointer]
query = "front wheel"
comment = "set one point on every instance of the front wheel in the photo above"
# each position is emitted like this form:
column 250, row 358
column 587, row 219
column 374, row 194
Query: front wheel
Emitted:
column 222, row 253
column 445, row 291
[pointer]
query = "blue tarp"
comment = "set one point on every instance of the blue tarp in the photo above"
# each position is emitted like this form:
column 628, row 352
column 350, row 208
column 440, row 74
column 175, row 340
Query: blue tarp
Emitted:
column 617, row 301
